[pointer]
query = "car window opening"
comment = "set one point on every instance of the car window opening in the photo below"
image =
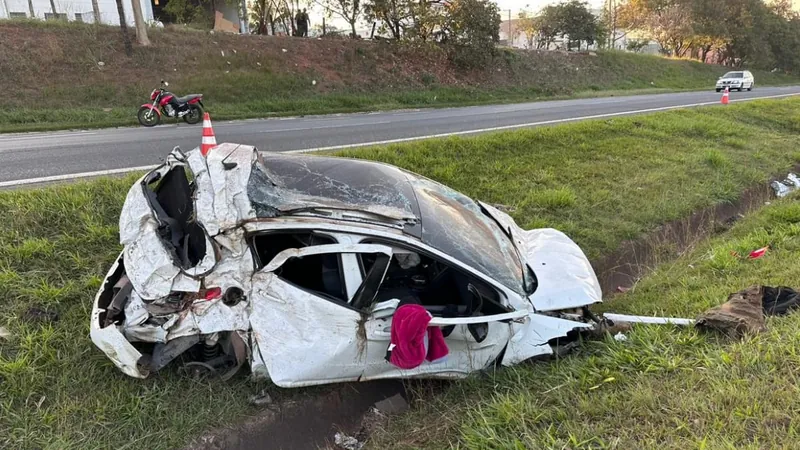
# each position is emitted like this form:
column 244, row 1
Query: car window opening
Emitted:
column 443, row 290
column 172, row 200
column 319, row 274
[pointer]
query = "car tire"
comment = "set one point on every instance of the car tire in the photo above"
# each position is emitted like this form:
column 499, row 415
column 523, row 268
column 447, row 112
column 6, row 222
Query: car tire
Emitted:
column 719, row 90
column 751, row 87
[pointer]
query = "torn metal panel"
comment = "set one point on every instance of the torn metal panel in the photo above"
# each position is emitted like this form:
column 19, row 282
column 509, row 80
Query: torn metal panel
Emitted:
column 135, row 311
column 135, row 214
column 154, row 271
column 212, row 316
column 531, row 338
column 229, row 168
column 301, row 340
column 151, row 330
column 204, row 195
column 109, row 339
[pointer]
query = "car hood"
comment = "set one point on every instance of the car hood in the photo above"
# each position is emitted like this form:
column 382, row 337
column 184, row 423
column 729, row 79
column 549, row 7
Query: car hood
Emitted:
column 565, row 277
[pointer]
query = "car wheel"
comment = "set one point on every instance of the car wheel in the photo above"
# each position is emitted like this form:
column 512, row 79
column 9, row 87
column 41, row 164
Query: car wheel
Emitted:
column 751, row 87
column 719, row 90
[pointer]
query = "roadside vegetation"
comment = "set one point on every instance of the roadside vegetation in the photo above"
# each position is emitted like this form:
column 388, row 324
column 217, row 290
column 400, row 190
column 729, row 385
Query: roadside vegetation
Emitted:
column 601, row 181
column 67, row 75
column 664, row 387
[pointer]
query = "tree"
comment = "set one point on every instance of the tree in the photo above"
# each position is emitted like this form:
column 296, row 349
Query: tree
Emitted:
column 572, row 21
column 668, row 22
column 471, row 28
column 141, row 27
column 123, row 26
column 577, row 23
column 262, row 16
column 394, row 15
column 529, row 25
column 349, row 10
column 96, row 12
column 426, row 19
column 611, row 20
column 548, row 25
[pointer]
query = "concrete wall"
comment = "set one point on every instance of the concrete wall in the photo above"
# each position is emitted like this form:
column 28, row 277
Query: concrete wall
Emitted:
column 108, row 10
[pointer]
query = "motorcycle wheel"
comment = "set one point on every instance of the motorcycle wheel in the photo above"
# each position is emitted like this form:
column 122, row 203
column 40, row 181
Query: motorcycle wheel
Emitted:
column 148, row 117
column 195, row 115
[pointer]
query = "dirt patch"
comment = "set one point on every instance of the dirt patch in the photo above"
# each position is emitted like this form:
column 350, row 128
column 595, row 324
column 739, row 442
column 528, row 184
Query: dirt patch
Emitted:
column 307, row 423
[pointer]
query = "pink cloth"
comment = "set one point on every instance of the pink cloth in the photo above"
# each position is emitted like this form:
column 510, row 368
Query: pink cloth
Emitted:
column 408, row 338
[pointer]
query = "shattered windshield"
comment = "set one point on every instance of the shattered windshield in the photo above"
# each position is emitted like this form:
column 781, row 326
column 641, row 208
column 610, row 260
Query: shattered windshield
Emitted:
column 456, row 225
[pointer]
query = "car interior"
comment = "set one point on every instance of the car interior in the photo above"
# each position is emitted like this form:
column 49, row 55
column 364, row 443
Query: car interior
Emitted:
column 444, row 291
column 171, row 198
column 320, row 274
column 411, row 278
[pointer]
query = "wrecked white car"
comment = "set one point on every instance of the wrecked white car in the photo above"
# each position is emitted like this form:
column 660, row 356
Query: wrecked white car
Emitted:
column 295, row 266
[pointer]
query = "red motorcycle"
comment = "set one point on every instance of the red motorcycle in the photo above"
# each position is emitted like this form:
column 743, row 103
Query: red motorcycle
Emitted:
column 190, row 107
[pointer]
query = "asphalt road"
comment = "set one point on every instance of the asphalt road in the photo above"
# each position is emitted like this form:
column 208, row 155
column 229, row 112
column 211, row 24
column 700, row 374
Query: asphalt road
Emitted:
column 42, row 157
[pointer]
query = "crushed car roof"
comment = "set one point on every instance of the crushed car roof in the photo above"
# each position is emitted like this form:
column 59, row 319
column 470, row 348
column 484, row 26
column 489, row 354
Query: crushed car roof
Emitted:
column 283, row 184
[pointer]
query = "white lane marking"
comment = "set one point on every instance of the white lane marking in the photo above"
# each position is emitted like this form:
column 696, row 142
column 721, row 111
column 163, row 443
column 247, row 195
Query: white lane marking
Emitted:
column 322, row 127
column 70, row 176
column 44, row 136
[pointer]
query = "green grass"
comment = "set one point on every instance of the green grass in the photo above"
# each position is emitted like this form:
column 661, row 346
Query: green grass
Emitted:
column 600, row 181
column 58, row 82
column 609, row 180
column 665, row 387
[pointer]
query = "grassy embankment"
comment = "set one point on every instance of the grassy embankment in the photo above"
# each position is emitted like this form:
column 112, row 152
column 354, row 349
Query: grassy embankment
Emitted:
column 67, row 75
column 664, row 387
column 600, row 181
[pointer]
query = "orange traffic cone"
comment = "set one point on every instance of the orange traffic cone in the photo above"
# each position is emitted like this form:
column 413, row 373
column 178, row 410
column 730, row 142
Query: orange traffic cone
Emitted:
column 726, row 96
column 209, row 141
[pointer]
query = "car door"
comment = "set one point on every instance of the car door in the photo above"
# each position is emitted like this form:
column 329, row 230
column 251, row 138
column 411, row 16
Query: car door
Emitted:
column 466, row 353
column 465, row 356
column 305, row 336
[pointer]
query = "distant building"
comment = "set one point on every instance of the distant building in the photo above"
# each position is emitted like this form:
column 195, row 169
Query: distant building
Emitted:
column 75, row 10
column 512, row 35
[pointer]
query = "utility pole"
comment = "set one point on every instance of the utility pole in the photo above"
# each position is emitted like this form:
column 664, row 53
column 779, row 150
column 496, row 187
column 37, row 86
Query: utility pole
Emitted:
column 510, row 37
column 611, row 6
column 96, row 11
column 244, row 24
